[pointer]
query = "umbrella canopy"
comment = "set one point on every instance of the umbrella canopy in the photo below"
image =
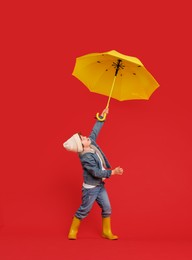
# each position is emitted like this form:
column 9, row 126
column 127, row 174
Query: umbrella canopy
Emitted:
column 115, row 75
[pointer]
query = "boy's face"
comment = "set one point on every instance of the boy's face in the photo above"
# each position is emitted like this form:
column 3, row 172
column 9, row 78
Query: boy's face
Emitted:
column 85, row 141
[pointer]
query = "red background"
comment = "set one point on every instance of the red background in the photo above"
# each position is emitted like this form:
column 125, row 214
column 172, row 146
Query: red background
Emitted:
column 43, row 105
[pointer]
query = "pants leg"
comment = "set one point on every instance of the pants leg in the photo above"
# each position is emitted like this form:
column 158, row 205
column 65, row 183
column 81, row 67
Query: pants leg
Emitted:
column 103, row 201
column 88, row 198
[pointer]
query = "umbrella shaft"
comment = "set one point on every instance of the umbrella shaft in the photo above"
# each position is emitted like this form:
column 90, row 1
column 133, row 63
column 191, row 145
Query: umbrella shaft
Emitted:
column 111, row 91
column 118, row 65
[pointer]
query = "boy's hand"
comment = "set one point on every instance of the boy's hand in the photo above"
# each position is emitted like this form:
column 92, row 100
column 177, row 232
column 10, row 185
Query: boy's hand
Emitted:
column 105, row 111
column 117, row 171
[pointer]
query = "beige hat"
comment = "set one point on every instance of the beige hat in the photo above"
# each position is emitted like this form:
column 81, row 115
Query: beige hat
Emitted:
column 74, row 144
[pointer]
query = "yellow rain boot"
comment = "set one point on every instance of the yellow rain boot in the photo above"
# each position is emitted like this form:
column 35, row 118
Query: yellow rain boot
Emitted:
column 74, row 228
column 106, row 222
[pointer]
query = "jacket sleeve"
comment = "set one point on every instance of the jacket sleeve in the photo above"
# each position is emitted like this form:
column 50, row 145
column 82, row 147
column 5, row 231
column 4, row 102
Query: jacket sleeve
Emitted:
column 96, row 129
column 90, row 165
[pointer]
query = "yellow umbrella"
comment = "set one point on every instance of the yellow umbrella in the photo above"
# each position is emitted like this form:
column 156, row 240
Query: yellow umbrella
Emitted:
column 115, row 75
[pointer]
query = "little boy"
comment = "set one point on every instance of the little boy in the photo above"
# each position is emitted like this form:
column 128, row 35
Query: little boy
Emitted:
column 96, row 169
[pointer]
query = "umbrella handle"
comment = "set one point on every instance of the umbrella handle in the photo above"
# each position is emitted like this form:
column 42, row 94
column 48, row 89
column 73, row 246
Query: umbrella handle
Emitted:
column 101, row 119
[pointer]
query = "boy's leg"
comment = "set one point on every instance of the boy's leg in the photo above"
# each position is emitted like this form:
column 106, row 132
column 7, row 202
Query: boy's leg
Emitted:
column 88, row 198
column 104, row 203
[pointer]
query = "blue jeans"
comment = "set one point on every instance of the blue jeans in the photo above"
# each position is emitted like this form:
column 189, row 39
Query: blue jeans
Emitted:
column 89, row 196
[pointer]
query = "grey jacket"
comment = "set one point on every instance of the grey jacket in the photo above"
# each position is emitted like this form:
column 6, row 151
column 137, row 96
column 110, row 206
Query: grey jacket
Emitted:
column 92, row 168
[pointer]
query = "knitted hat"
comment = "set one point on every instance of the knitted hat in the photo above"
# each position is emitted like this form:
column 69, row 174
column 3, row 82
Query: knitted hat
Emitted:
column 74, row 144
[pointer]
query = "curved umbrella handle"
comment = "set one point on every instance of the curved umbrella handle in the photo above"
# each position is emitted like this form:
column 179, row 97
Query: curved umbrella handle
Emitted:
column 99, row 118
